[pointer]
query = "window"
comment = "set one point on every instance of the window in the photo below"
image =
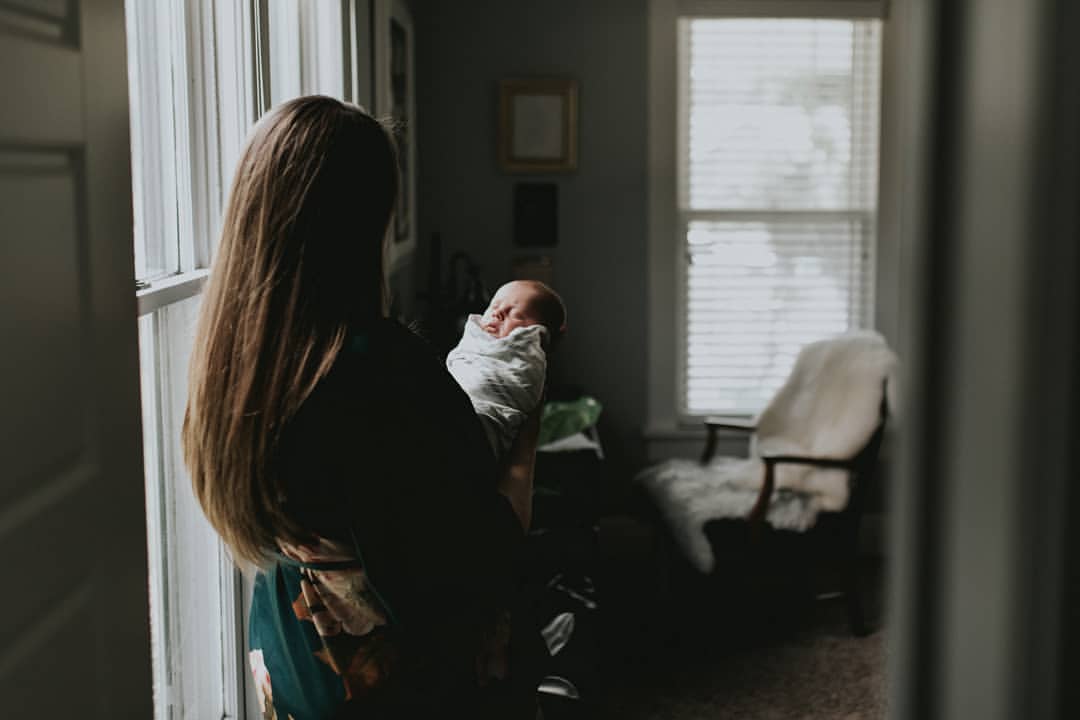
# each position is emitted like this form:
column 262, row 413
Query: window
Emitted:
column 775, row 174
column 199, row 73
column 309, row 35
column 192, row 101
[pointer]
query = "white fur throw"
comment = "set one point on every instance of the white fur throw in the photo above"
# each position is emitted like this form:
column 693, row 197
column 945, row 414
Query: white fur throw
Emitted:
column 828, row 408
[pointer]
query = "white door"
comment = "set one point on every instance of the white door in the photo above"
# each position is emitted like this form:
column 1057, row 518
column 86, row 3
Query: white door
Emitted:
column 74, row 635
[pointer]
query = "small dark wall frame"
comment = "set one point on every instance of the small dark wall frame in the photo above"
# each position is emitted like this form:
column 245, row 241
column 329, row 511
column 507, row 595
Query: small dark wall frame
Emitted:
column 538, row 125
column 536, row 214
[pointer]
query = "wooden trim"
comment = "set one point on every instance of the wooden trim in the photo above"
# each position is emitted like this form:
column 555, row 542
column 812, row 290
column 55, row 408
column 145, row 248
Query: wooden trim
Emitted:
column 664, row 253
column 756, row 516
column 712, row 427
column 812, row 461
column 730, row 423
column 843, row 9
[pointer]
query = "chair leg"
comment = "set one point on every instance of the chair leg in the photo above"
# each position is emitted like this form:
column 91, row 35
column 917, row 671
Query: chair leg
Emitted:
column 666, row 633
column 853, row 601
column 853, row 586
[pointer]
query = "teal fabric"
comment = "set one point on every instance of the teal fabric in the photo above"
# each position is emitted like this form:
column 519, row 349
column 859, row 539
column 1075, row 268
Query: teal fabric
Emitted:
column 304, row 686
column 562, row 419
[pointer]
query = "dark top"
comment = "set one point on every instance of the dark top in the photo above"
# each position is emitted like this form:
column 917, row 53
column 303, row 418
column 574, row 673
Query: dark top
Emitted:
column 387, row 456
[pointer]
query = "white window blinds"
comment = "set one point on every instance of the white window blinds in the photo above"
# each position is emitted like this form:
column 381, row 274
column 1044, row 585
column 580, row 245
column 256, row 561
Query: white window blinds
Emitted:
column 778, row 165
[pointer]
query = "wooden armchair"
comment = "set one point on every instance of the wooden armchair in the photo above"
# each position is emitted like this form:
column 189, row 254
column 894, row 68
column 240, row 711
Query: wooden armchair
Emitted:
column 783, row 502
column 861, row 469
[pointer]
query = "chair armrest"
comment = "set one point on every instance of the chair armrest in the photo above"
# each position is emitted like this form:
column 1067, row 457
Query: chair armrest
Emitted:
column 757, row 514
column 836, row 463
column 716, row 423
column 720, row 422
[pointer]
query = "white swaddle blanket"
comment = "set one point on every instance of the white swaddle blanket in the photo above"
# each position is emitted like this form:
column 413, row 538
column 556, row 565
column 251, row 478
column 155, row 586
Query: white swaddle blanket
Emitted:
column 504, row 377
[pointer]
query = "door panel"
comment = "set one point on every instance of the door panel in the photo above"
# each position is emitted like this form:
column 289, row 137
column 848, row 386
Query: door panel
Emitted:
column 59, row 578
column 74, row 635
column 38, row 204
column 72, row 691
column 51, row 111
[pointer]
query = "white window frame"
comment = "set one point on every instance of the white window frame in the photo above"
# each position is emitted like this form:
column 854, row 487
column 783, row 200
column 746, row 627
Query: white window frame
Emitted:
column 666, row 230
column 203, row 132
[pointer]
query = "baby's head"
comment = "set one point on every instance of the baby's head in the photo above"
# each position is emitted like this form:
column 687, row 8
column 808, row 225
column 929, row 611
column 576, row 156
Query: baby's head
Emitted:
column 521, row 303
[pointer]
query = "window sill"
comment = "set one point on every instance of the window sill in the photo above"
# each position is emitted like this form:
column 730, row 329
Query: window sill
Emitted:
column 171, row 289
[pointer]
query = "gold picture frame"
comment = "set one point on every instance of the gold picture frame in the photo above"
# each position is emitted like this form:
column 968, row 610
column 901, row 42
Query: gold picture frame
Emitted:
column 538, row 125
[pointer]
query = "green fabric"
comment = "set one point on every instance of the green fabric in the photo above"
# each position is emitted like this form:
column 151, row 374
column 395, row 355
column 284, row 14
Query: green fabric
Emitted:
column 563, row 419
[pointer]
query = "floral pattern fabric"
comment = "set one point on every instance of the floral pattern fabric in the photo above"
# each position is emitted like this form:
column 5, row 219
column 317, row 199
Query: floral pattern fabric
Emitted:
column 319, row 635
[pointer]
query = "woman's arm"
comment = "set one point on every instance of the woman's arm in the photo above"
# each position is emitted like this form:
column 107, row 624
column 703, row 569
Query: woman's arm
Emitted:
column 516, row 479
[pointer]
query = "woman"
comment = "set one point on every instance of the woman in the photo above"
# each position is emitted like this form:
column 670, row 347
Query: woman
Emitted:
column 329, row 447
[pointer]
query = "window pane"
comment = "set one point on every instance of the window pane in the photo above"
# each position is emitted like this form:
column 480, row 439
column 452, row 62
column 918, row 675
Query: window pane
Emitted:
column 306, row 51
column 185, row 554
column 285, row 59
column 324, row 67
column 756, row 293
column 778, row 192
column 192, row 98
column 782, row 113
column 153, row 139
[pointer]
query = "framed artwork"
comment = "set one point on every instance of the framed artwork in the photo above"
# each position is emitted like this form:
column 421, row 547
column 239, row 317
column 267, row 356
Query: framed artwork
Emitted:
column 536, row 214
column 538, row 125
column 400, row 88
column 396, row 103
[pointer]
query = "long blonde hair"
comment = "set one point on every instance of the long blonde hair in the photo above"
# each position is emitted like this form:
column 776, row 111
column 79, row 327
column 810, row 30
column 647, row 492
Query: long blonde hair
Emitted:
column 300, row 260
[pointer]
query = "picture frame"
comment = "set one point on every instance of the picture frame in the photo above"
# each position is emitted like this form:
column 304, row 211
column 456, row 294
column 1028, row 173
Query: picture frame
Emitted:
column 538, row 125
column 536, row 214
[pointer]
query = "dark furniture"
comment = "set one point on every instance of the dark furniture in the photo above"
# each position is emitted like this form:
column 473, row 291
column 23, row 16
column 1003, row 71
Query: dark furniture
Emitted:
column 563, row 566
column 830, row 547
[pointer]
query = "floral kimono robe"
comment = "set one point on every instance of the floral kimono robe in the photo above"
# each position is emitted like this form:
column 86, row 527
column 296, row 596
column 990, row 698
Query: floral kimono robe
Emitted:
column 318, row 633
column 398, row 607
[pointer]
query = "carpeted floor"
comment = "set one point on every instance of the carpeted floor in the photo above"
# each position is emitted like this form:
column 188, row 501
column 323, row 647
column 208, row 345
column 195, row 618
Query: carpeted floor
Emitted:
column 794, row 659
column 820, row 672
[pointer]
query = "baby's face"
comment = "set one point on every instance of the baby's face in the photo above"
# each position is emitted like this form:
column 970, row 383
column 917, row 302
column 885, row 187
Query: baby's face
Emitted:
column 512, row 307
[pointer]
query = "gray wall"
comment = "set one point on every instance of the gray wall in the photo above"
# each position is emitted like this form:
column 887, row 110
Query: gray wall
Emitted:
column 463, row 49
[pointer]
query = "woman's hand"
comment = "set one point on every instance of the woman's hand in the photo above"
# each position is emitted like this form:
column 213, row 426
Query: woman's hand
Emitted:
column 516, row 481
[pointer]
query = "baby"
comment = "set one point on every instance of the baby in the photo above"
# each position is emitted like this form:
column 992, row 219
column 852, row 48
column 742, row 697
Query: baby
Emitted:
column 501, row 361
